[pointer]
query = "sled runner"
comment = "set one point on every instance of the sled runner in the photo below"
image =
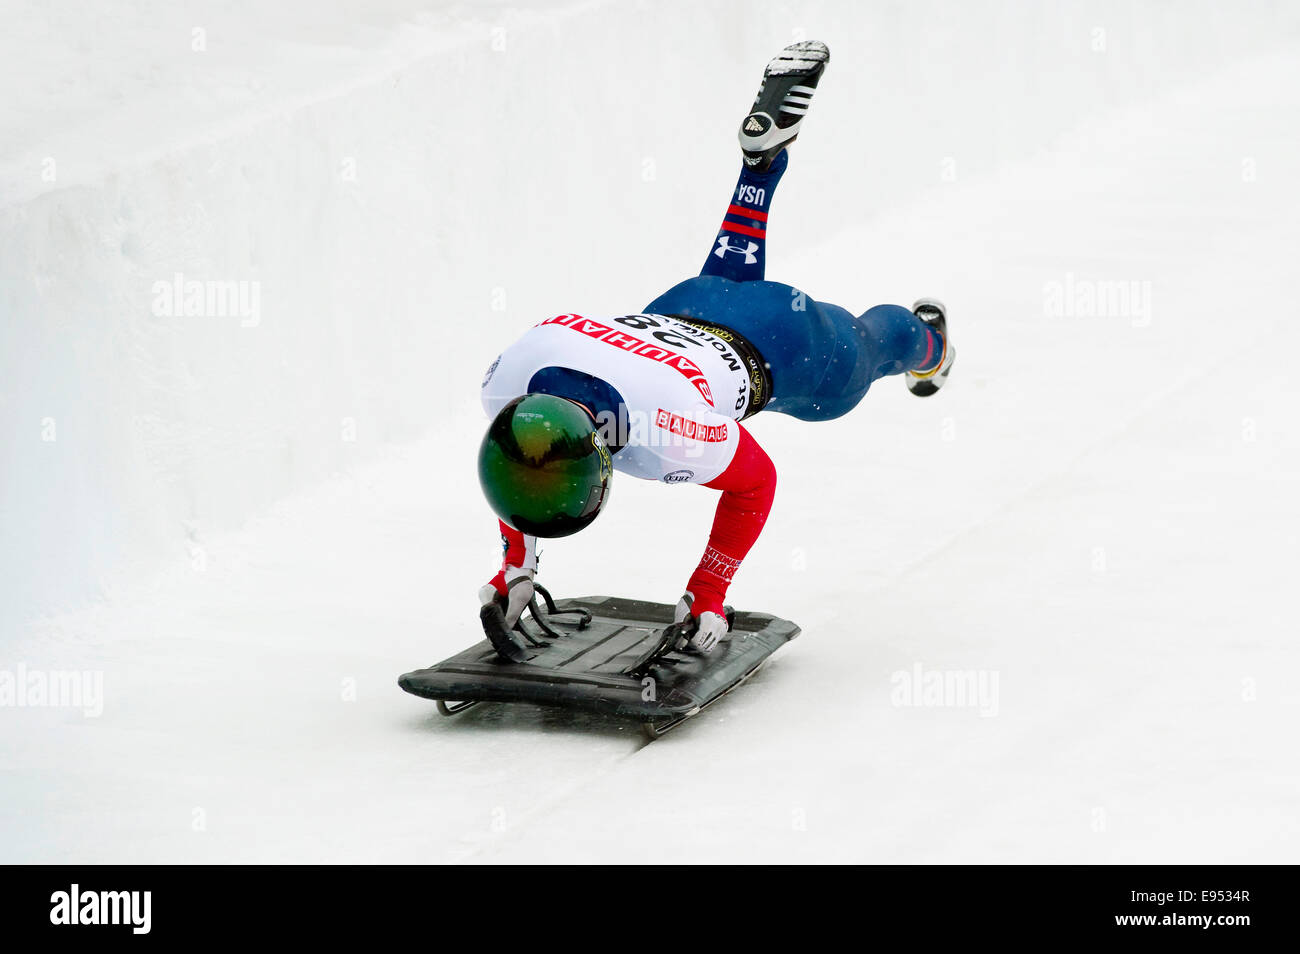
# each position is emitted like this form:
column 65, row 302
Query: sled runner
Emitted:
column 608, row 655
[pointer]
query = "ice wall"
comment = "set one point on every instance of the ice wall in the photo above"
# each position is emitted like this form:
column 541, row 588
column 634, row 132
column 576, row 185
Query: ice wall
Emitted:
column 384, row 196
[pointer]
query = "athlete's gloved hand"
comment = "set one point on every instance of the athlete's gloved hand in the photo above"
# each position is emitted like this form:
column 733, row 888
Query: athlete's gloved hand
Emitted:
column 710, row 627
column 513, row 587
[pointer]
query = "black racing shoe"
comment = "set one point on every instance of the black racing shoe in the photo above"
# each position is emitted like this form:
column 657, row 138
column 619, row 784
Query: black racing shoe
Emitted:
column 782, row 101
column 925, row 383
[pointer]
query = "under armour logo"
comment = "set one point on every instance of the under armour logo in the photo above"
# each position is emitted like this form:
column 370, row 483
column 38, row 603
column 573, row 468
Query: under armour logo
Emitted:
column 724, row 247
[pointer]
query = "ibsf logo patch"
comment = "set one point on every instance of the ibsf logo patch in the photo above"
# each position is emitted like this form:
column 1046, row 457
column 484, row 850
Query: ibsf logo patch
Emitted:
column 678, row 476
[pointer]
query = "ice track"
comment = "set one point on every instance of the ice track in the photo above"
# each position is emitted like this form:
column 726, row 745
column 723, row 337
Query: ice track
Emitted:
column 1099, row 512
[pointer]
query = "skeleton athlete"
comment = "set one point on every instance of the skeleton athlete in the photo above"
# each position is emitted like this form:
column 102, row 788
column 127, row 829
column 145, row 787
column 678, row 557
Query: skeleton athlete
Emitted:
column 661, row 394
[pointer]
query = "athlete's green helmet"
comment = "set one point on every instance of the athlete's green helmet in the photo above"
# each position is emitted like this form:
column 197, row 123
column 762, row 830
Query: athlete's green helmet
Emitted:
column 543, row 467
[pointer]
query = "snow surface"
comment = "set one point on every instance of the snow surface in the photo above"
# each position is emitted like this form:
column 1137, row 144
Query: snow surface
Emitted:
column 250, row 529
